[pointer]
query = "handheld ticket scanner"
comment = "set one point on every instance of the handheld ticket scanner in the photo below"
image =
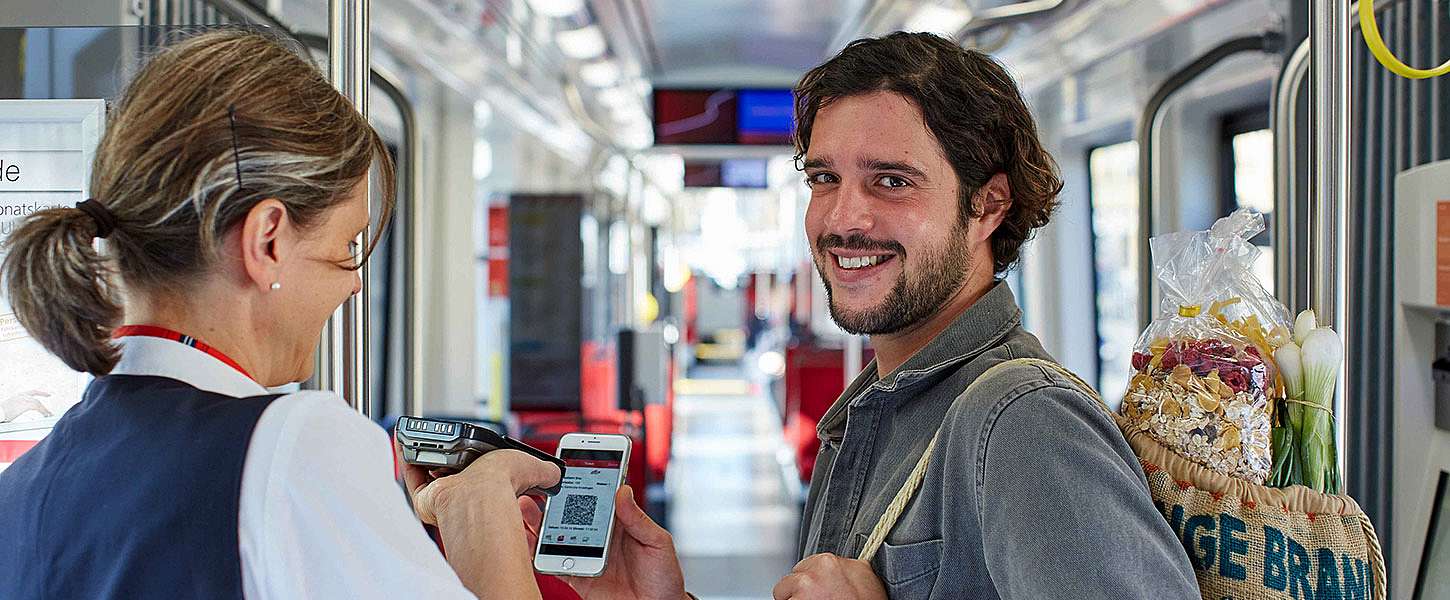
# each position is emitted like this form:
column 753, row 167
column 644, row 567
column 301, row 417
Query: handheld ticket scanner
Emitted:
column 449, row 446
column 1421, row 566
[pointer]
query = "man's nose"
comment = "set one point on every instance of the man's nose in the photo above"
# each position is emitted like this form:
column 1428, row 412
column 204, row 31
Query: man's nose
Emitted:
column 851, row 212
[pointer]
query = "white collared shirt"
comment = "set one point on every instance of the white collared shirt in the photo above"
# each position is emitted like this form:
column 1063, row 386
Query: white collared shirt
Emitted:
column 320, row 514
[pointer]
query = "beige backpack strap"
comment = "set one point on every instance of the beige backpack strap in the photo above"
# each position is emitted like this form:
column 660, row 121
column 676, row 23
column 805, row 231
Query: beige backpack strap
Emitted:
column 887, row 522
column 1376, row 558
column 898, row 504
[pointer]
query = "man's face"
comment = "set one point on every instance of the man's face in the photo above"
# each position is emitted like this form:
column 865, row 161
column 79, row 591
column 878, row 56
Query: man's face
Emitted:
column 883, row 220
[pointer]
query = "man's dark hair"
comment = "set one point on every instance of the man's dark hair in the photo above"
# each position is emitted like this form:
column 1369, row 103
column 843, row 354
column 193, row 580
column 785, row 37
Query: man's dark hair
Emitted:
column 972, row 107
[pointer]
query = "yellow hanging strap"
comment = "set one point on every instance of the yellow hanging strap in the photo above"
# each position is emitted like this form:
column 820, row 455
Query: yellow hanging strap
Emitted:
column 1371, row 31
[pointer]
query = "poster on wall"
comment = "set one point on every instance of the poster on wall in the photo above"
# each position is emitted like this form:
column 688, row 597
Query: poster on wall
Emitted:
column 46, row 148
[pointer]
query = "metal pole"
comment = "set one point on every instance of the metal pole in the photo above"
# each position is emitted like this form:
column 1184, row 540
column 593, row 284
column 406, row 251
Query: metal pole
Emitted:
column 345, row 345
column 852, row 357
column 406, row 221
column 1329, row 198
column 1286, row 101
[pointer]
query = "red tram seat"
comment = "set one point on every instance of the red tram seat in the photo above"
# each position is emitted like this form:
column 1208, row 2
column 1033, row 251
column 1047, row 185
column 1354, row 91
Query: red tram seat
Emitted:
column 814, row 378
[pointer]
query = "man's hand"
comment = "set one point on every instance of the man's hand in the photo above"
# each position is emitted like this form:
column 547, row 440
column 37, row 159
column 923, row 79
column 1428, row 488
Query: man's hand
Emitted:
column 642, row 562
column 830, row 577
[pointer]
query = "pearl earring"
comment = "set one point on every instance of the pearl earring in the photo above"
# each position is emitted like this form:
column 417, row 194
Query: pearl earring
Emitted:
column 276, row 285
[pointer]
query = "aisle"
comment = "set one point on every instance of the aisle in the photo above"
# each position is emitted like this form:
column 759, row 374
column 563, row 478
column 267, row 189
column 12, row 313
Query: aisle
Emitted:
column 732, row 516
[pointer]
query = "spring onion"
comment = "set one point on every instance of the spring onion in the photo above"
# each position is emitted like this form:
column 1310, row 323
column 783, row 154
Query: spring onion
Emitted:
column 1303, row 325
column 1287, row 416
column 1322, row 355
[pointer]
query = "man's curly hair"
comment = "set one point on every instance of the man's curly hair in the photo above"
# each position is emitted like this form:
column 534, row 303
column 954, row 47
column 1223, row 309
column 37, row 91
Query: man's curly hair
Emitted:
column 972, row 107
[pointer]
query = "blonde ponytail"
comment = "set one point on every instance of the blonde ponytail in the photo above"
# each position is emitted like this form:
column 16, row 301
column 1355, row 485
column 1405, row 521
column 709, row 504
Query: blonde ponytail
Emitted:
column 61, row 290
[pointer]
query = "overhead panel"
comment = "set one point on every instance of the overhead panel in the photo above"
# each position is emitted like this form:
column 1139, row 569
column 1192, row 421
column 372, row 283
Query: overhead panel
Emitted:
column 723, row 116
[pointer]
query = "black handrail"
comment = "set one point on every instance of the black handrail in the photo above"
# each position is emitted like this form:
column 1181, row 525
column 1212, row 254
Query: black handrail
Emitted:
column 1270, row 42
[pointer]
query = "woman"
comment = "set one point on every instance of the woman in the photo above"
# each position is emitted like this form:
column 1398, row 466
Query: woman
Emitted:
column 229, row 187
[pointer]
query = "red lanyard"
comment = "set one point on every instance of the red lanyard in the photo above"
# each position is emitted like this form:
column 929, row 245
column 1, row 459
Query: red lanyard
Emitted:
column 167, row 334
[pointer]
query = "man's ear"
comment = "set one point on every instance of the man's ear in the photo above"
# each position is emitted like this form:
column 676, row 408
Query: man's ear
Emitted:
column 263, row 243
column 992, row 200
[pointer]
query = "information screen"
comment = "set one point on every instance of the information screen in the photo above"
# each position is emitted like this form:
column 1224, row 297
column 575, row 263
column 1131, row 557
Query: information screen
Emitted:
column 730, row 172
column 46, row 148
column 765, row 116
column 578, row 518
column 724, row 116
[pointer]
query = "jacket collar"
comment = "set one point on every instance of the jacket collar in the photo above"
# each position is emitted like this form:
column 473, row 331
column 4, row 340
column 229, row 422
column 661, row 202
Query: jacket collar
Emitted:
column 142, row 355
column 977, row 329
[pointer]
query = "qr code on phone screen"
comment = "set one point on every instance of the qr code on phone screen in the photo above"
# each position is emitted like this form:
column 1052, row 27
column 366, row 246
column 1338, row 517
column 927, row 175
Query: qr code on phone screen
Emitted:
column 579, row 509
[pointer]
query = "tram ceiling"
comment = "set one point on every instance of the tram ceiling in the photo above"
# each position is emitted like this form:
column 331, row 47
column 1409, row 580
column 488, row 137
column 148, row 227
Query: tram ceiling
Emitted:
column 770, row 43
column 709, row 42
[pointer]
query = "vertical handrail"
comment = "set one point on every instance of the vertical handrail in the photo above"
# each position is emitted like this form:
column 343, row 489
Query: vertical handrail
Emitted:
column 1329, row 171
column 408, row 181
column 852, row 358
column 1148, row 131
column 407, row 211
column 1286, row 103
column 345, row 347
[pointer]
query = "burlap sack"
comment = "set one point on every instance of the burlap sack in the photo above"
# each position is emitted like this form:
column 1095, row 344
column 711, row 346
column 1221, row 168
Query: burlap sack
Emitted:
column 1250, row 542
column 1246, row 541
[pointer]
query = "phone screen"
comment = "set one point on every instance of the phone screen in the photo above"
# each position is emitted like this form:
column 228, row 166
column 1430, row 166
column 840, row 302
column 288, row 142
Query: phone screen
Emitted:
column 578, row 519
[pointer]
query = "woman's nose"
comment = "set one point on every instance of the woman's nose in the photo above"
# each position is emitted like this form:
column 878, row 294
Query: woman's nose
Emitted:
column 356, row 282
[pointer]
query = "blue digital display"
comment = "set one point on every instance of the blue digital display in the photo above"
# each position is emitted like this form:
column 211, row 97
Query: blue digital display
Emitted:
column 764, row 116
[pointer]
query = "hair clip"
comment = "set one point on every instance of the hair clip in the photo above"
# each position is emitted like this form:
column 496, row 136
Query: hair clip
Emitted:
column 236, row 149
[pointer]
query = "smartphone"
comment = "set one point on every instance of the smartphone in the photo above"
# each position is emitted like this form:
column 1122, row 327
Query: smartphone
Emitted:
column 447, row 447
column 578, row 522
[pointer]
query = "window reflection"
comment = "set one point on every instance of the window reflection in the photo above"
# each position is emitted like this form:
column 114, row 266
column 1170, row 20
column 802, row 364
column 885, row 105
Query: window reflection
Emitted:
column 1253, row 181
column 1113, row 185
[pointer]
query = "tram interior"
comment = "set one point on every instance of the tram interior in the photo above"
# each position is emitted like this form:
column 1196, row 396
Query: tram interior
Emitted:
column 600, row 222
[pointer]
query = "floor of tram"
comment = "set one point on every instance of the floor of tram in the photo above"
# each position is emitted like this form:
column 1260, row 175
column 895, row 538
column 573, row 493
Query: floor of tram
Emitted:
column 733, row 511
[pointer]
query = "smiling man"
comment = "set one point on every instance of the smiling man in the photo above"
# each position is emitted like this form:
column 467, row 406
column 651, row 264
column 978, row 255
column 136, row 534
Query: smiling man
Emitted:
column 926, row 178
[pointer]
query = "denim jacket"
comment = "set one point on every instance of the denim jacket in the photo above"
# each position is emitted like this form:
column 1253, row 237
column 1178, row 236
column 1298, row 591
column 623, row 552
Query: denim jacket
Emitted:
column 1032, row 493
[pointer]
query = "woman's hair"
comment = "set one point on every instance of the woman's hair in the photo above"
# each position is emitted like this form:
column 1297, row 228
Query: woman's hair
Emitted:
column 972, row 107
column 209, row 127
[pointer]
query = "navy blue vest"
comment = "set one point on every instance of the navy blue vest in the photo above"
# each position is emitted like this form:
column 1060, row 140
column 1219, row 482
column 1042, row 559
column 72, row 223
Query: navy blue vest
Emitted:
column 133, row 495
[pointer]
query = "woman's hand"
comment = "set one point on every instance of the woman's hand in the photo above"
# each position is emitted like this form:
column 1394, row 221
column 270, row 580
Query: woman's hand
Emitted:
column 492, row 473
column 476, row 512
column 642, row 562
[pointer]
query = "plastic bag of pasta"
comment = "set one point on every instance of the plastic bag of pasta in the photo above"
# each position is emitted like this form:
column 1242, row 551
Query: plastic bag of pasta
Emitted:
column 1205, row 384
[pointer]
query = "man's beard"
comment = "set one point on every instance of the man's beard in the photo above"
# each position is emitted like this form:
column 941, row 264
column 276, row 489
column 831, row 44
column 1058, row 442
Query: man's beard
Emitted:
column 914, row 298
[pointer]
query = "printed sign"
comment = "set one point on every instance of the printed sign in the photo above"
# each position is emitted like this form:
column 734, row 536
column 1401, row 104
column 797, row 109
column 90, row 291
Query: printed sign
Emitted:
column 46, row 149
column 498, row 251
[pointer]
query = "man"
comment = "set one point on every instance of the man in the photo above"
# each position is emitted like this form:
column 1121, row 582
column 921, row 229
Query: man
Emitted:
column 926, row 178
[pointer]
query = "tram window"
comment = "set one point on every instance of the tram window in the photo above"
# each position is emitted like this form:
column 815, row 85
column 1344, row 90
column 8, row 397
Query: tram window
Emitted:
column 1249, row 179
column 1113, row 198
